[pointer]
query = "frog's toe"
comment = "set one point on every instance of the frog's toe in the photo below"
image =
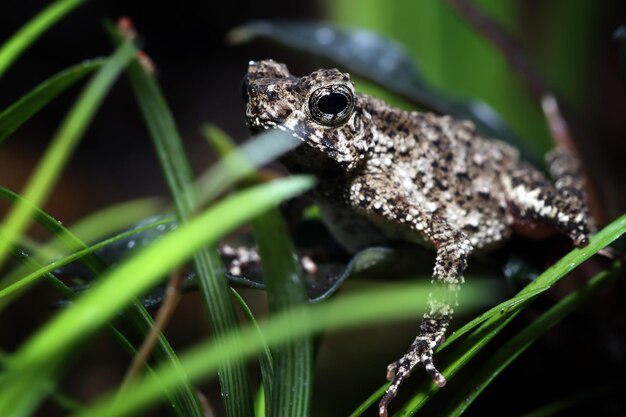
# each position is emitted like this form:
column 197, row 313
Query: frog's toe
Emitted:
column 400, row 370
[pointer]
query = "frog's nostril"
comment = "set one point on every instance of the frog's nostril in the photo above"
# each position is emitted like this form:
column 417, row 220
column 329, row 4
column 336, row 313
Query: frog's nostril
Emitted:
column 244, row 89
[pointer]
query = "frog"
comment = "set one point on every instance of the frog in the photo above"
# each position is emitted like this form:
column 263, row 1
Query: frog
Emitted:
column 387, row 175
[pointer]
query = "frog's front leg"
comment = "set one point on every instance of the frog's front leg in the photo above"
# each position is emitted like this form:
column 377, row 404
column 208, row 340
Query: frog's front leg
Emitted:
column 453, row 248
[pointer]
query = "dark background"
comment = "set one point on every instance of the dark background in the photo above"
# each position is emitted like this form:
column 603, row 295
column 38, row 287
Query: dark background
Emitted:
column 200, row 75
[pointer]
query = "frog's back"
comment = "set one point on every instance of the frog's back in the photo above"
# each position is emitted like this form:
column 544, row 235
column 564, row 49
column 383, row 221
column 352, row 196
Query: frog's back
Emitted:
column 445, row 167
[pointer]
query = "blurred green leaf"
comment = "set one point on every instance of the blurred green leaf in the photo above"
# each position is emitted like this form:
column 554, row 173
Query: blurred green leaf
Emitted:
column 34, row 366
column 516, row 345
column 183, row 399
column 42, row 181
column 265, row 357
column 237, row 164
column 382, row 61
column 30, row 278
column 292, row 382
column 207, row 264
column 378, row 304
column 19, row 112
column 290, row 385
column 557, row 407
column 19, row 42
column 498, row 317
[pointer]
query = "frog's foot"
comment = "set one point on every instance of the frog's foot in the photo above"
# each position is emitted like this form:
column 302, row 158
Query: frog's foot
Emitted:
column 245, row 261
column 240, row 260
column 400, row 370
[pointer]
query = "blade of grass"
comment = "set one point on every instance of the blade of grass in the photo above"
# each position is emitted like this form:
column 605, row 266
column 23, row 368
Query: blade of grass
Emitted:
column 21, row 40
column 496, row 318
column 504, row 313
column 23, row 109
column 290, row 387
column 35, row 364
column 115, row 218
column 236, row 166
column 41, row 183
column 184, row 400
column 265, row 358
column 515, row 346
column 207, row 264
column 30, row 278
column 367, row 307
column 292, row 383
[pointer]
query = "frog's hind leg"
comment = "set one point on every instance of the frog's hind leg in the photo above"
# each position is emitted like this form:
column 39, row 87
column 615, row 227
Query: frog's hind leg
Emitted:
column 561, row 204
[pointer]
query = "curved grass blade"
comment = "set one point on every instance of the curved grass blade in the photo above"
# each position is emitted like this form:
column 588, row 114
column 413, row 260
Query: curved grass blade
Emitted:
column 207, row 264
column 368, row 307
column 55, row 227
column 518, row 344
column 382, row 61
column 23, row 109
column 496, row 318
column 237, row 164
column 504, row 313
column 21, row 40
column 292, row 382
column 184, row 399
column 40, row 272
column 74, row 125
column 35, row 365
column 116, row 217
column 265, row 358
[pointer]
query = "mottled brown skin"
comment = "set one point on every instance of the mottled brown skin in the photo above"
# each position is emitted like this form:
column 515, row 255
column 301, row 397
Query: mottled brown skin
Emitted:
column 387, row 175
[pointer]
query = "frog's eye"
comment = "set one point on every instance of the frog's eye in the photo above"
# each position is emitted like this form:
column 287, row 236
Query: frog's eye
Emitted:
column 331, row 105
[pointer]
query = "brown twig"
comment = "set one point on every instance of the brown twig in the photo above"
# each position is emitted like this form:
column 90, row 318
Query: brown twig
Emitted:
column 170, row 301
column 537, row 86
column 509, row 46
column 556, row 123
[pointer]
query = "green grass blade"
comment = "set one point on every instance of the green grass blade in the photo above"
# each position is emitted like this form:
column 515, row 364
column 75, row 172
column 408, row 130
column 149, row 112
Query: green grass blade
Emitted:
column 23, row 109
column 495, row 319
column 30, row 278
column 41, row 183
column 370, row 401
column 369, row 307
column 239, row 164
column 71, row 242
column 207, row 264
column 184, row 400
column 20, row 41
column 292, row 382
column 289, row 387
column 115, row 218
column 35, row 364
column 518, row 344
column 265, row 358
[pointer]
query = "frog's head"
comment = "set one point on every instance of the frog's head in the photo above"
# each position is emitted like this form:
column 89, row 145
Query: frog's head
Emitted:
column 320, row 109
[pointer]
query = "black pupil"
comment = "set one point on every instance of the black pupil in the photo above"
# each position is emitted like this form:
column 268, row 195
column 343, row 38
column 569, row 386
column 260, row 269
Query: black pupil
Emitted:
column 333, row 103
